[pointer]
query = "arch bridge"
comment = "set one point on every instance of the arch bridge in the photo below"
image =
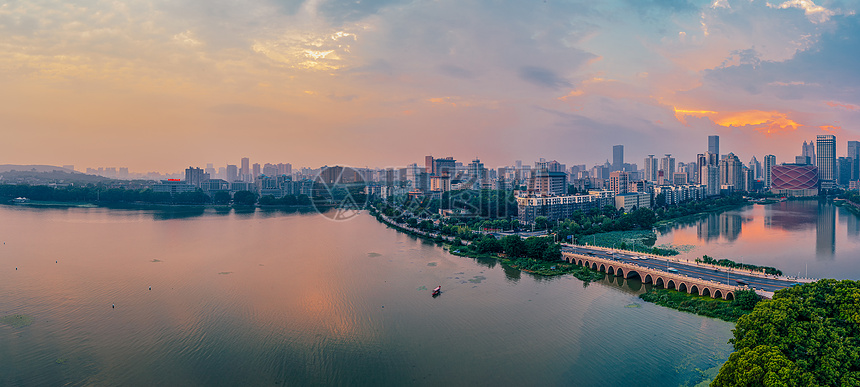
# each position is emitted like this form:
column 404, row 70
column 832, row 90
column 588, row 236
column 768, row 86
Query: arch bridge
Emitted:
column 661, row 278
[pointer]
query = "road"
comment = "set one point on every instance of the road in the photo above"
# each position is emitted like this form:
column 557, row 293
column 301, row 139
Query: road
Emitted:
column 721, row 275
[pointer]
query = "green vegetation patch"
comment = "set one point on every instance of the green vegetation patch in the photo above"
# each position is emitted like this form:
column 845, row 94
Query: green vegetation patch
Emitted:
column 17, row 320
column 807, row 335
column 225, row 272
column 62, row 360
column 745, row 266
column 372, row 255
column 432, row 264
column 156, row 260
column 704, row 305
column 633, row 306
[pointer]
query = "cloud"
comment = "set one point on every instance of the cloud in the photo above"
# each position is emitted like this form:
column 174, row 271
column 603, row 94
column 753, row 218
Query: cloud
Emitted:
column 846, row 106
column 769, row 122
column 542, row 77
column 815, row 13
column 455, row 71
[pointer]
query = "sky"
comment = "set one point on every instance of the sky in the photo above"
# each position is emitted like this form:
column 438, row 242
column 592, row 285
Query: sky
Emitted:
column 162, row 85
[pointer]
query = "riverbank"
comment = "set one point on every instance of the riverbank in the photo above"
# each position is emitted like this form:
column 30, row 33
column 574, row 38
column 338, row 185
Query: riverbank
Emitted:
column 699, row 305
column 698, row 215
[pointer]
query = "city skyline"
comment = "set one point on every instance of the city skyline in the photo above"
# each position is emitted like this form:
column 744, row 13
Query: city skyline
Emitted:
column 156, row 86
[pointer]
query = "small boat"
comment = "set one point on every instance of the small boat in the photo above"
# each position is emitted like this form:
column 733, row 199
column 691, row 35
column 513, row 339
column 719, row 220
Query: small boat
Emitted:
column 437, row 291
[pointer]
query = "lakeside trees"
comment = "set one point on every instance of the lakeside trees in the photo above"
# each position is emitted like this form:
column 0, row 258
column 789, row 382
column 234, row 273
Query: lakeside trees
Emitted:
column 807, row 335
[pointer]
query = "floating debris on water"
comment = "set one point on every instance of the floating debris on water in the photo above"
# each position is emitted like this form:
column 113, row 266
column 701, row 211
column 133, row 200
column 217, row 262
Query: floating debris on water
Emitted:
column 62, row 360
column 225, row 272
column 477, row 279
column 155, row 260
column 633, row 306
column 431, row 264
column 422, row 288
column 17, row 320
column 372, row 254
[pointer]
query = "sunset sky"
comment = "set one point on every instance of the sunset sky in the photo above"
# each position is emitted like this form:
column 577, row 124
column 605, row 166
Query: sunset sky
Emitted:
column 162, row 85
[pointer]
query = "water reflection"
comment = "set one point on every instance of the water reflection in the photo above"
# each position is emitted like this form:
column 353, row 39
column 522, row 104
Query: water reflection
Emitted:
column 825, row 239
column 792, row 236
column 713, row 226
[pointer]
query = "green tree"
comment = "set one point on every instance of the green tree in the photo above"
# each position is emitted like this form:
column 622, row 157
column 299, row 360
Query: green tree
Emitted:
column 541, row 223
column 246, row 198
column 221, row 197
column 513, row 246
column 746, row 299
column 488, row 244
column 814, row 326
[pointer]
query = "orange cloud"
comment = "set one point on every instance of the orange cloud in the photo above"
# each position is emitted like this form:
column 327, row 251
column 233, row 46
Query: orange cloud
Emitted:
column 830, row 128
column 766, row 122
column 846, row 106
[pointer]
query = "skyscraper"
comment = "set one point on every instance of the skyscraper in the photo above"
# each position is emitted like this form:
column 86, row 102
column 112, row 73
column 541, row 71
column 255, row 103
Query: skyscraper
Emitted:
column 618, row 182
column 825, row 145
column 245, row 172
column 731, row 172
column 755, row 167
column 651, row 169
column 701, row 161
column 667, row 165
column 809, row 151
column 769, row 162
column 617, row 157
column 232, row 173
column 854, row 154
column 714, row 145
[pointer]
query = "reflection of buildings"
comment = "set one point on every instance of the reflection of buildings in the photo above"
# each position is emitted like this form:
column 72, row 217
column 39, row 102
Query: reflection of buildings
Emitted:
column 792, row 215
column 728, row 225
column 802, row 216
column 852, row 224
column 825, row 237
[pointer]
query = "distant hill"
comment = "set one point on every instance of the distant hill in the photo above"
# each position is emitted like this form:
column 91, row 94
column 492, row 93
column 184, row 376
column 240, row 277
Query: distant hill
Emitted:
column 30, row 168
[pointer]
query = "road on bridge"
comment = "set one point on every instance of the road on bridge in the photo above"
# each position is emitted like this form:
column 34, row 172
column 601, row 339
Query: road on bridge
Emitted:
column 731, row 278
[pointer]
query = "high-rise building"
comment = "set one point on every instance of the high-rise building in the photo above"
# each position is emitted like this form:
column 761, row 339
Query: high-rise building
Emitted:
column 245, row 172
column 446, row 166
column 618, row 157
column 701, row 161
column 195, row 176
column 854, row 154
column 809, row 151
column 651, row 168
column 428, row 164
column 619, row 182
column 232, row 173
column 825, row 147
column 769, row 162
column 714, row 145
column 667, row 165
column 844, row 166
column 256, row 170
column 710, row 177
column 755, row 167
column 731, row 172
column 545, row 183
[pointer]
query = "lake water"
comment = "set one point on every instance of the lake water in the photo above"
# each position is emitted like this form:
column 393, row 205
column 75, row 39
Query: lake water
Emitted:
column 793, row 236
column 274, row 298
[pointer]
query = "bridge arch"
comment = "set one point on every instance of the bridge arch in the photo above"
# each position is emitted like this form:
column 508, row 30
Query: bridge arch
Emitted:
column 603, row 268
column 594, row 266
column 633, row 273
column 682, row 287
column 647, row 279
column 659, row 282
column 671, row 284
column 620, row 272
column 579, row 262
column 694, row 289
column 730, row 296
column 707, row 292
column 718, row 294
